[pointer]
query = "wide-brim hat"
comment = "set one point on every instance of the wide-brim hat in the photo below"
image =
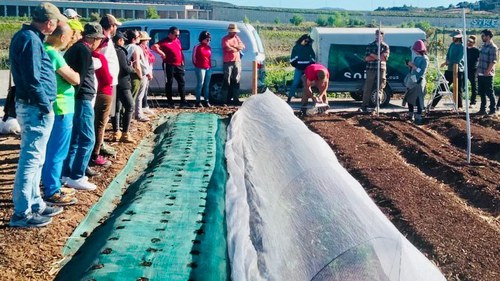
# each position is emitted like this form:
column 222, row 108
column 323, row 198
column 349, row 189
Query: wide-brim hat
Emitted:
column 143, row 35
column 233, row 28
column 47, row 11
column 93, row 30
column 457, row 33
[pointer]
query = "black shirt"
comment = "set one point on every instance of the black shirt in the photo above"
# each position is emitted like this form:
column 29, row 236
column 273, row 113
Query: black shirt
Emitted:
column 472, row 58
column 79, row 58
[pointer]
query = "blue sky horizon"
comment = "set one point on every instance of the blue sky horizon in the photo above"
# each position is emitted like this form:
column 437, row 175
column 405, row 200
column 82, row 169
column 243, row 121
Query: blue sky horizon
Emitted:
column 359, row 5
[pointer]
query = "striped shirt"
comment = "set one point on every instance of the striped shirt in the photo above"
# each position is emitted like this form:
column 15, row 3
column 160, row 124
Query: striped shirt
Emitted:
column 487, row 55
column 372, row 48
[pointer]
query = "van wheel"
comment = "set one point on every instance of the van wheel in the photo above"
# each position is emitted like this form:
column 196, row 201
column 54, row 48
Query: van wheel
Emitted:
column 385, row 98
column 216, row 90
column 357, row 96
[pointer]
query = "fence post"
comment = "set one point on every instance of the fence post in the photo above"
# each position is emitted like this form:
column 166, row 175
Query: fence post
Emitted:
column 254, row 77
column 455, row 83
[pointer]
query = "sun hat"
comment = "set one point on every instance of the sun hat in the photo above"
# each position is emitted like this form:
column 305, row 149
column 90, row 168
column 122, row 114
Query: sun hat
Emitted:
column 93, row 30
column 233, row 28
column 70, row 14
column 457, row 33
column 419, row 46
column 143, row 35
column 47, row 11
column 75, row 25
column 109, row 20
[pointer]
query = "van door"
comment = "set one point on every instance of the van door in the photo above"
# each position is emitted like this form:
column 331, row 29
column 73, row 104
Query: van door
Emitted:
column 159, row 79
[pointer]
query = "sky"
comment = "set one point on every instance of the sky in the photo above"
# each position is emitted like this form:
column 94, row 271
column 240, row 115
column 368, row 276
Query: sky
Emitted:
column 343, row 4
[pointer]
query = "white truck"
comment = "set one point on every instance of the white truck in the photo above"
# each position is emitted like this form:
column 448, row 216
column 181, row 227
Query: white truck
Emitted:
column 342, row 51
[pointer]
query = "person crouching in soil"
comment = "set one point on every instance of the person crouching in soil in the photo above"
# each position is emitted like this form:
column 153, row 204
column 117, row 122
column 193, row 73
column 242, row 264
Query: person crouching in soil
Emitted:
column 315, row 75
column 415, row 95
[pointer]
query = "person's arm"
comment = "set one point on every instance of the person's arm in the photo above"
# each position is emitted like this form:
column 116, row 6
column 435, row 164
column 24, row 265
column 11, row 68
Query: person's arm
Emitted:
column 227, row 46
column 68, row 74
column 493, row 56
column 31, row 69
column 384, row 56
column 137, row 63
column 240, row 46
column 156, row 48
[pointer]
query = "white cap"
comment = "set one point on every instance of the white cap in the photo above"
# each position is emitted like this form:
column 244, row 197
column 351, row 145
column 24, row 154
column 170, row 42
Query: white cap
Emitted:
column 70, row 13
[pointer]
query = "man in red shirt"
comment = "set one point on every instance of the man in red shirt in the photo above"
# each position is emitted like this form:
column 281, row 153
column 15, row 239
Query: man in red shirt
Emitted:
column 231, row 49
column 315, row 75
column 170, row 50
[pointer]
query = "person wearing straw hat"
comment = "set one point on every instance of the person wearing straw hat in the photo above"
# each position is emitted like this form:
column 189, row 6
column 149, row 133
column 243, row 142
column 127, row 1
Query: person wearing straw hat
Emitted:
column 454, row 55
column 232, row 48
column 372, row 60
column 486, row 71
column 472, row 60
column 36, row 89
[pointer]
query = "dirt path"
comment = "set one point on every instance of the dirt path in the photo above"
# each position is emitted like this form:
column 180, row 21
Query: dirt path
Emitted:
column 420, row 180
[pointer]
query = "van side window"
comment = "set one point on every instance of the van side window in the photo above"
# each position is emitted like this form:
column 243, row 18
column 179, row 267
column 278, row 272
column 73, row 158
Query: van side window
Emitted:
column 160, row 34
column 124, row 29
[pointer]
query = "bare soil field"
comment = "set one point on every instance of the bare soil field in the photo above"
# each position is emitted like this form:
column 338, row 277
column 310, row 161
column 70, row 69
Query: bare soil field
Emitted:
column 418, row 176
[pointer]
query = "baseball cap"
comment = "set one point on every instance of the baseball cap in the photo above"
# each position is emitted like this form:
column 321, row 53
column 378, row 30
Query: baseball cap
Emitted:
column 70, row 13
column 457, row 33
column 93, row 30
column 46, row 11
column 109, row 20
column 119, row 35
column 75, row 25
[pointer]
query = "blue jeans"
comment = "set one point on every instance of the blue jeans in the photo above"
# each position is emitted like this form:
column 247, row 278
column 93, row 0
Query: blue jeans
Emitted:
column 203, row 82
column 57, row 150
column 35, row 132
column 297, row 77
column 82, row 140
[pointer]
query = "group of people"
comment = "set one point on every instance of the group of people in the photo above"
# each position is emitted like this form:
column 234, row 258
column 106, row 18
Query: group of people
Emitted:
column 481, row 72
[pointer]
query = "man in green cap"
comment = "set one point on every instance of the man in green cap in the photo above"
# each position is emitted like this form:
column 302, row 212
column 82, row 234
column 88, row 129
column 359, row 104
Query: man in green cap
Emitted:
column 35, row 81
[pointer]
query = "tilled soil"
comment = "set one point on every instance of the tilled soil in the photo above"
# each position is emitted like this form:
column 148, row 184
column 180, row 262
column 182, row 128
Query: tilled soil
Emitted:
column 417, row 175
column 420, row 178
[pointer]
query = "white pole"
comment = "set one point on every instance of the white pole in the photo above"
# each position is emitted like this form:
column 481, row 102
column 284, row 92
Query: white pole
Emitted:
column 467, row 115
column 377, row 99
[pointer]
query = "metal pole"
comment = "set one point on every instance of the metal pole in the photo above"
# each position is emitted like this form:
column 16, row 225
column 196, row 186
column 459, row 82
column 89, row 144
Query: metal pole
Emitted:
column 467, row 116
column 377, row 99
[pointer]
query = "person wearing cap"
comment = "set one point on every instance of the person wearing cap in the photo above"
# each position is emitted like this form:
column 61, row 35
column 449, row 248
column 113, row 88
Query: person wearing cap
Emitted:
column 302, row 56
column 64, row 109
column 170, row 50
column 36, row 89
column 109, row 27
column 202, row 61
column 486, row 71
column 315, row 75
column 472, row 60
column 454, row 55
column 148, row 54
column 418, row 68
column 232, row 48
column 77, row 28
column 71, row 14
column 123, row 93
column 79, row 57
column 136, row 56
column 147, row 70
column 372, row 61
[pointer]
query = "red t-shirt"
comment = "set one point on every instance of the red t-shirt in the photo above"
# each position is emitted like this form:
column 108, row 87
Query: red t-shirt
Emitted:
column 311, row 72
column 172, row 50
column 202, row 56
column 103, row 75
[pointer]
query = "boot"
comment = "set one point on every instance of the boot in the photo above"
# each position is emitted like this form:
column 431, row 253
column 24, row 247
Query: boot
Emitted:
column 418, row 119
column 127, row 138
column 116, row 136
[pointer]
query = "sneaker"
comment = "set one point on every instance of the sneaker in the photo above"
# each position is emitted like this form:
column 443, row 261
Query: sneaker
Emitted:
column 90, row 172
column 481, row 112
column 67, row 191
column 149, row 111
column 142, row 118
column 207, row 104
column 418, row 121
column 32, row 220
column 126, row 138
column 51, row 211
column 101, row 161
column 185, row 104
column 363, row 109
column 59, row 199
column 64, row 180
column 116, row 136
column 107, row 150
column 81, row 184
column 492, row 112
column 198, row 104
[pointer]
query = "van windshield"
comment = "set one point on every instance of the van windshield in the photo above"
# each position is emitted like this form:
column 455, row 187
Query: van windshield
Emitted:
column 260, row 46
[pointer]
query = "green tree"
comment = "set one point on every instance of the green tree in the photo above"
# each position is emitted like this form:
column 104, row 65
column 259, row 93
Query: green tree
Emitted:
column 331, row 21
column 322, row 21
column 296, row 20
column 277, row 20
column 152, row 13
column 424, row 25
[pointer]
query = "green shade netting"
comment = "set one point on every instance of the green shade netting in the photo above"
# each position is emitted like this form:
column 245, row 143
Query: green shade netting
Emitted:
column 170, row 223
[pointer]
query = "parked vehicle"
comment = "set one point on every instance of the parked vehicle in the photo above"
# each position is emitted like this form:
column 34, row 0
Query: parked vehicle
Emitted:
column 342, row 50
column 189, row 31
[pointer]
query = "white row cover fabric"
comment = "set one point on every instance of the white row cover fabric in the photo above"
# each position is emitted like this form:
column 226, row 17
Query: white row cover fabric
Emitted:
column 294, row 213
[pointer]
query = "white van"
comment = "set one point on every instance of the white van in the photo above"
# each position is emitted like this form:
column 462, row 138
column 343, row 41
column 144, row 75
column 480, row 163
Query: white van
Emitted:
column 342, row 51
column 189, row 32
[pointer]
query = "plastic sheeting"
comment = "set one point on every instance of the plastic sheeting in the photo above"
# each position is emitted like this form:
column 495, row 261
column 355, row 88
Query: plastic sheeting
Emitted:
column 294, row 213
